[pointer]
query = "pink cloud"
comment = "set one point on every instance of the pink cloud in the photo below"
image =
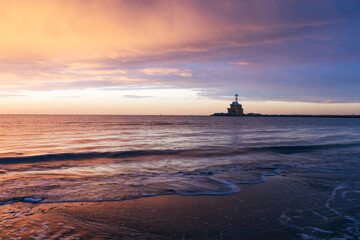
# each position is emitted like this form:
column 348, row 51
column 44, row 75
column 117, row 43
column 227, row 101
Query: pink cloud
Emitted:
column 166, row 71
column 240, row 63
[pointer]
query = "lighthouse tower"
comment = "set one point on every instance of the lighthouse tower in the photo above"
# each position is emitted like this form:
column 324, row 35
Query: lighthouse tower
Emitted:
column 235, row 108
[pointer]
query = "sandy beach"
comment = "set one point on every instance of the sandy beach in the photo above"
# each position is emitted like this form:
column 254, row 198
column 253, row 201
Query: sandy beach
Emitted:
column 270, row 210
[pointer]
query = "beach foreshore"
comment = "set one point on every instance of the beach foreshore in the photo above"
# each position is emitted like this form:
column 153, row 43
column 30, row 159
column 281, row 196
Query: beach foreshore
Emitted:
column 260, row 211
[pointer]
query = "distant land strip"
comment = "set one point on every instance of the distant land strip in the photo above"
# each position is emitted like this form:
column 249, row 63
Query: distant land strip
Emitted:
column 284, row 115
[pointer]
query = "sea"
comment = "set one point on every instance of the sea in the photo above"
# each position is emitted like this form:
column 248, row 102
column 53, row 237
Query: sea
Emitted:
column 81, row 158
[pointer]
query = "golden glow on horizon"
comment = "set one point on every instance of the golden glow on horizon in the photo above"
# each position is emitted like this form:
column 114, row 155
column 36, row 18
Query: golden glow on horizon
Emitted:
column 148, row 102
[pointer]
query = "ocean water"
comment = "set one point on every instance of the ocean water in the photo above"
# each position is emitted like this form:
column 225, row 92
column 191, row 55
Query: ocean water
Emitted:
column 68, row 158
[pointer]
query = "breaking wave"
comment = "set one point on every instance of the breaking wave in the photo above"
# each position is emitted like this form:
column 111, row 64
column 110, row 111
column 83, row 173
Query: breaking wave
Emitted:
column 200, row 152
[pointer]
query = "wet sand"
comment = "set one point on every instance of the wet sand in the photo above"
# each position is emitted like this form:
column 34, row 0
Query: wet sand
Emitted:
column 259, row 211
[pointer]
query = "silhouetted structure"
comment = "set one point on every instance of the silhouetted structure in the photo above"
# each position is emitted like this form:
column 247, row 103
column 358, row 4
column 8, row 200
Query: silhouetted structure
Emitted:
column 235, row 108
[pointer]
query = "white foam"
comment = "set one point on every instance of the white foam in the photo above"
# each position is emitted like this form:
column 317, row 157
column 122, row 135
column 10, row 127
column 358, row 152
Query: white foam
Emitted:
column 263, row 179
column 320, row 230
column 332, row 197
column 319, row 215
column 233, row 189
column 343, row 194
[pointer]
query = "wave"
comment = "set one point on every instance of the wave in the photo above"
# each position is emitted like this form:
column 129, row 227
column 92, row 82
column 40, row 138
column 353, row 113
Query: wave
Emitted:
column 30, row 199
column 92, row 193
column 199, row 152
column 150, row 124
column 84, row 156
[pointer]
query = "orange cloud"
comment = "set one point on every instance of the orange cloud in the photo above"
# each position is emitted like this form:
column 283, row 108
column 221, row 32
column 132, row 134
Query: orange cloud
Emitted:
column 93, row 29
column 119, row 29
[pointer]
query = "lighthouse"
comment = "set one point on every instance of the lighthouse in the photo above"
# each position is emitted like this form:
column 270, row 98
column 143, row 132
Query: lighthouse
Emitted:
column 235, row 108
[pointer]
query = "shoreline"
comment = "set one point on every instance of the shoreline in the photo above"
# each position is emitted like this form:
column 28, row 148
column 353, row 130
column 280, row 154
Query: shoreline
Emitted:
column 258, row 211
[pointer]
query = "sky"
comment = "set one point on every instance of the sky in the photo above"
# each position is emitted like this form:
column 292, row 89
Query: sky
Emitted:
column 180, row 56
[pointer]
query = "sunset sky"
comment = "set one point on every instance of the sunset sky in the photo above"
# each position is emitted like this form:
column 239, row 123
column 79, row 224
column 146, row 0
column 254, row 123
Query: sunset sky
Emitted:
column 179, row 56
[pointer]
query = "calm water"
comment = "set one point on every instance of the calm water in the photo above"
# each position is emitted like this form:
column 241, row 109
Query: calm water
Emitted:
column 96, row 158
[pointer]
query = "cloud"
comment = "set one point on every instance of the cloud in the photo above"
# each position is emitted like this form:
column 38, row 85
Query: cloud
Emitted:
column 288, row 49
column 92, row 29
column 166, row 71
column 240, row 63
column 7, row 95
column 93, row 68
column 125, row 30
column 137, row 96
